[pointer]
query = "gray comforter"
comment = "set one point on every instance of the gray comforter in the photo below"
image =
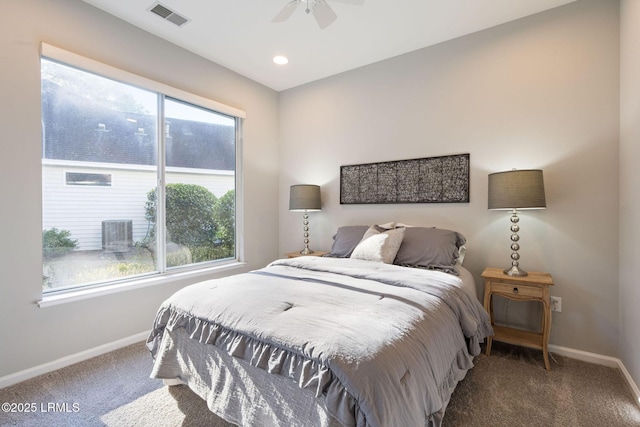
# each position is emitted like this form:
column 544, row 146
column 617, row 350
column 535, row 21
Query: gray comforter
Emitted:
column 383, row 345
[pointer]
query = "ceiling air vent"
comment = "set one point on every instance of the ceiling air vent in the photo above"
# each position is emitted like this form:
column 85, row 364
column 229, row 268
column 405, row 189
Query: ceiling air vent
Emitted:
column 168, row 14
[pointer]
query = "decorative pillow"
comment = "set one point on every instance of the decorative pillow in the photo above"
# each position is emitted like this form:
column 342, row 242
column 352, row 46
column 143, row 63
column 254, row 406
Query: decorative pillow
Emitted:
column 387, row 225
column 379, row 246
column 346, row 239
column 429, row 247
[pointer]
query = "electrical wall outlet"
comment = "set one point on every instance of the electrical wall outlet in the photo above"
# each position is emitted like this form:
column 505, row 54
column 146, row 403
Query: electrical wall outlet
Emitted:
column 556, row 304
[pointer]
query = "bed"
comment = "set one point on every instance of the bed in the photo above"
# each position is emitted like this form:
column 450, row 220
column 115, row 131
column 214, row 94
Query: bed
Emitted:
column 374, row 335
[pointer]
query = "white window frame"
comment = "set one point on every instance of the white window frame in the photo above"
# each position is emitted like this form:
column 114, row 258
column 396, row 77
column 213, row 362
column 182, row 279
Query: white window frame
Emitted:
column 189, row 272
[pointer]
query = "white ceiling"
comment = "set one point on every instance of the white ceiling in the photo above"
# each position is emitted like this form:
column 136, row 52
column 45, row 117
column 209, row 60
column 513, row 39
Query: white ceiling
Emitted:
column 239, row 35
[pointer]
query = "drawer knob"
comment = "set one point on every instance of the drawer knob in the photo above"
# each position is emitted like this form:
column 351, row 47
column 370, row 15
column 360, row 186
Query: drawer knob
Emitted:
column 515, row 290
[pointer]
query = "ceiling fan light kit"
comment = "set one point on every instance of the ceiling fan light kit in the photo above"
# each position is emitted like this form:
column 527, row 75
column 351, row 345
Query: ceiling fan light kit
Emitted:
column 320, row 9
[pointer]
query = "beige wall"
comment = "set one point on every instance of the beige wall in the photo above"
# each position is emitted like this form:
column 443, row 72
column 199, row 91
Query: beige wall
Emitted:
column 32, row 336
column 540, row 92
column 629, row 186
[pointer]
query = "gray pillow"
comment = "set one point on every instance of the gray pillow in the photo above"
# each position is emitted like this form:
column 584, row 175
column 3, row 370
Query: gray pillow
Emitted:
column 346, row 239
column 429, row 247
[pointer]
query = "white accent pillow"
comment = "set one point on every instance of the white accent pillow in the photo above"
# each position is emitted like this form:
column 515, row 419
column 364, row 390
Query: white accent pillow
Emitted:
column 379, row 246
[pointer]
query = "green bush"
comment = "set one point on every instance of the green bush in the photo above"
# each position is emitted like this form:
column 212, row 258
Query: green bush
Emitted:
column 189, row 209
column 224, row 214
column 197, row 220
column 57, row 242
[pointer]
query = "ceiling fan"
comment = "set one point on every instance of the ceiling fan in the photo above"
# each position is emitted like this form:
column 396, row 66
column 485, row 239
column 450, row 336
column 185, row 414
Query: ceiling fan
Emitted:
column 320, row 10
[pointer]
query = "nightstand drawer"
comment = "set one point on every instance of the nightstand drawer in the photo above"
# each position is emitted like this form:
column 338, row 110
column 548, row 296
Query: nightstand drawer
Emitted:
column 517, row 290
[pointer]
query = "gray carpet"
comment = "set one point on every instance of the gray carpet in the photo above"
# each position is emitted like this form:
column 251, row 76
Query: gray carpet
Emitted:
column 509, row 388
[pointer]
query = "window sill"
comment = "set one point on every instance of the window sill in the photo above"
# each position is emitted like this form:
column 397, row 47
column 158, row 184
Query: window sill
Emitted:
column 64, row 297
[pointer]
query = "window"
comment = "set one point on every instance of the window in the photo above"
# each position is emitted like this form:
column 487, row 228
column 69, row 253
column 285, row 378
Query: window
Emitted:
column 138, row 179
column 78, row 178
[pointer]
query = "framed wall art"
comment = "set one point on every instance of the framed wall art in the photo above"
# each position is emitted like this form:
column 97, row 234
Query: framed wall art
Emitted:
column 443, row 179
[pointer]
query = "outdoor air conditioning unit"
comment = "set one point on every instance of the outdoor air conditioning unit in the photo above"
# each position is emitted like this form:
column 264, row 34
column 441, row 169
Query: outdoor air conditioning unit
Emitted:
column 117, row 235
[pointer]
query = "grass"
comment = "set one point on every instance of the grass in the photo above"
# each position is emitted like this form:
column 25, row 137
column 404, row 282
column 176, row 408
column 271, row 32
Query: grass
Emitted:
column 82, row 267
column 88, row 267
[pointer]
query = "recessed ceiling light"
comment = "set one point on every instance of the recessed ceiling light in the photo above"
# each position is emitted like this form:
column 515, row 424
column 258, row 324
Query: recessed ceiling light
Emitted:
column 280, row 60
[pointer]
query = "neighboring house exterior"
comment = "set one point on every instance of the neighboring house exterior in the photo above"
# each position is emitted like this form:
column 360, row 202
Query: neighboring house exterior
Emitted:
column 123, row 198
column 100, row 153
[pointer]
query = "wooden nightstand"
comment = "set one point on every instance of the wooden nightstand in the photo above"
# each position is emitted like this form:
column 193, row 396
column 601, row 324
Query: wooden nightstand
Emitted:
column 297, row 254
column 533, row 287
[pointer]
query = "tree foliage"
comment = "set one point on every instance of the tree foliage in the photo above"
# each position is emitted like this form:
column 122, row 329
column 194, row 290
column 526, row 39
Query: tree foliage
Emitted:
column 196, row 219
column 224, row 216
column 189, row 214
column 57, row 242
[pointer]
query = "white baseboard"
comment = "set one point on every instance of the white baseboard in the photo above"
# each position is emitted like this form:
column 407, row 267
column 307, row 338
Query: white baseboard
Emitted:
column 632, row 385
column 54, row 365
column 585, row 356
column 598, row 359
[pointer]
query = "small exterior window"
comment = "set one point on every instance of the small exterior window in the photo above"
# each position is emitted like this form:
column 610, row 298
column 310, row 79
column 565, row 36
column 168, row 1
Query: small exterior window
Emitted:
column 95, row 179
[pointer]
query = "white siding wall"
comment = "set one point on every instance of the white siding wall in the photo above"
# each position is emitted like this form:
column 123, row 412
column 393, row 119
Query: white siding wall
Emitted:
column 81, row 208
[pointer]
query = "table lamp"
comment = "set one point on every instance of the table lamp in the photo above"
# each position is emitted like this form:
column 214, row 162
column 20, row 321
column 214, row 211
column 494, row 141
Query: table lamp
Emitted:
column 304, row 198
column 513, row 190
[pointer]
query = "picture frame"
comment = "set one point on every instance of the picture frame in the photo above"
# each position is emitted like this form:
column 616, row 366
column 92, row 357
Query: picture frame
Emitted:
column 441, row 179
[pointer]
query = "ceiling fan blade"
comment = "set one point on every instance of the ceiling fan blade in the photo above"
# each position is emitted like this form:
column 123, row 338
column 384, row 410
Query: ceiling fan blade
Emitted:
column 286, row 11
column 324, row 14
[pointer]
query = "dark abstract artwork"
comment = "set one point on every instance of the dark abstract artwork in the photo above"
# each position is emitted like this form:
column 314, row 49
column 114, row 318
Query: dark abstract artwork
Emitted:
column 443, row 179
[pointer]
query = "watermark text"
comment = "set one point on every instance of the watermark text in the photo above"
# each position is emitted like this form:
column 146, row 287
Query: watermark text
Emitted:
column 42, row 407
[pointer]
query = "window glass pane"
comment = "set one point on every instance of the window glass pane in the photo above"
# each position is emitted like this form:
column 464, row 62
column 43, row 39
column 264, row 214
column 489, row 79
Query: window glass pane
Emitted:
column 94, row 128
column 100, row 169
column 200, row 189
